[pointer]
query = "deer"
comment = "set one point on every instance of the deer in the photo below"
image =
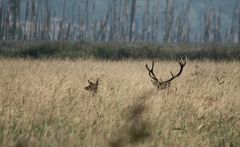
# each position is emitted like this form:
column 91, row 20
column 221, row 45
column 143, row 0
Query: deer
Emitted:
column 92, row 87
column 159, row 83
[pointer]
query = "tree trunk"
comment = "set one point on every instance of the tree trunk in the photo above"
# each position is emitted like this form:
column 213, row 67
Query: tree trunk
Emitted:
column 1, row 18
column 168, row 20
column 132, row 19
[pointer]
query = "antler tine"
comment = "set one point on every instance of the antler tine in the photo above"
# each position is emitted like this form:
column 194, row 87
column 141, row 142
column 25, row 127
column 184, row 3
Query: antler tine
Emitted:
column 151, row 72
column 149, row 68
column 185, row 61
column 181, row 61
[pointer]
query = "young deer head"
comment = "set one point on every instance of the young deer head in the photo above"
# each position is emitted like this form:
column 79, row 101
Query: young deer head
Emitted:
column 92, row 87
column 165, row 84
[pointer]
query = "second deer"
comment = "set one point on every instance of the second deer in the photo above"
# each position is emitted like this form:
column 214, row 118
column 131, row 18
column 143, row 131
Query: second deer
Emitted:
column 92, row 87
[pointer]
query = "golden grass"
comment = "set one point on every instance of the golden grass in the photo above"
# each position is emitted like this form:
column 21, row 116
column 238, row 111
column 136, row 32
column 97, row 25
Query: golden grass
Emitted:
column 43, row 103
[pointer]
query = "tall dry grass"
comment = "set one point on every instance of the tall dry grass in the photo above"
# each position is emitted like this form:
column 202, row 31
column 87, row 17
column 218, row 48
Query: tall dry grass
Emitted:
column 43, row 103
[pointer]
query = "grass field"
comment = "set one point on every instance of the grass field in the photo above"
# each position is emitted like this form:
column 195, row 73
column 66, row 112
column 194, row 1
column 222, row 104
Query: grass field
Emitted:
column 43, row 103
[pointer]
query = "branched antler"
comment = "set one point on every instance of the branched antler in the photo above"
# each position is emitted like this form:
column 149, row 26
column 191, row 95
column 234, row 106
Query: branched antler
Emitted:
column 164, row 84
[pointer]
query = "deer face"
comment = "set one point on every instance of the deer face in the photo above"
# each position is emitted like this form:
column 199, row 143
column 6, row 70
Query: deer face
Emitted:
column 92, row 87
column 160, row 85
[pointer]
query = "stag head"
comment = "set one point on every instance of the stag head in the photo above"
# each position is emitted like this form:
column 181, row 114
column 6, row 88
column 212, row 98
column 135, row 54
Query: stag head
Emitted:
column 165, row 84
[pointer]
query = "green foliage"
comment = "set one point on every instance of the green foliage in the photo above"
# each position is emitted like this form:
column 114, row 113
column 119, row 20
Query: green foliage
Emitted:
column 117, row 51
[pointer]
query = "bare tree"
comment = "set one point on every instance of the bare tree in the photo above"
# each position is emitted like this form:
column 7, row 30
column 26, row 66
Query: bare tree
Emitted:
column 238, row 22
column 169, row 17
column 207, row 24
column 13, row 18
column 25, row 37
column 234, row 24
column 61, row 24
column 103, row 25
column 113, row 21
column 217, row 25
column 1, row 18
column 47, row 20
column 132, row 19
column 182, row 23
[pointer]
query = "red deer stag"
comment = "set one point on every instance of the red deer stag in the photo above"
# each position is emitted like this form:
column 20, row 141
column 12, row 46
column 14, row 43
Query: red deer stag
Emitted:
column 165, row 84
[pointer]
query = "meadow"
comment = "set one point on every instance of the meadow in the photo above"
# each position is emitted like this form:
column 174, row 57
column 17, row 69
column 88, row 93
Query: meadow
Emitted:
column 44, row 103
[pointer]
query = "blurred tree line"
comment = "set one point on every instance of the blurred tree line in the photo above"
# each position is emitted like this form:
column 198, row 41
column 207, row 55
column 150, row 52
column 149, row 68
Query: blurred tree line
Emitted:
column 119, row 24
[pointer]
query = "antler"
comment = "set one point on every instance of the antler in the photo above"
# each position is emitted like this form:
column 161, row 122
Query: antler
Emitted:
column 163, row 84
column 151, row 72
column 182, row 63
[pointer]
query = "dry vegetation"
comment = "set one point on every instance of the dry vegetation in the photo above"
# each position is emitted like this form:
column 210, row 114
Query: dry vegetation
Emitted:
column 44, row 103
